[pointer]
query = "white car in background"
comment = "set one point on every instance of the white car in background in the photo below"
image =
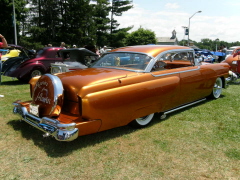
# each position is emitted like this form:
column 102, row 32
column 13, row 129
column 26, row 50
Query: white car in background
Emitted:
column 230, row 50
column 73, row 59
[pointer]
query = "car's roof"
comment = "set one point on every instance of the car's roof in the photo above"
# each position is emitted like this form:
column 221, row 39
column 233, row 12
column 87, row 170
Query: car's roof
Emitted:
column 234, row 47
column 152, row 50
column 78, row 51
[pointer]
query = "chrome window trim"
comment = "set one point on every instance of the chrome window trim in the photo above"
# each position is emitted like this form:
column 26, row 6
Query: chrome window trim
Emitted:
column 166, row 74
column 111, row 67
column 152, row 62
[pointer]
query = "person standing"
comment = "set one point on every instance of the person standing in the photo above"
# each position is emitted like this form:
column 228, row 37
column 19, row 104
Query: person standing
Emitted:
column 224, row 50
column 3, row 44
column 63, row 45
column 103, row 50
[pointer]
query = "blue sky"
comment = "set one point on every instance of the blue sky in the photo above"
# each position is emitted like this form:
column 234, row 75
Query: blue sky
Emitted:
column 218, row 19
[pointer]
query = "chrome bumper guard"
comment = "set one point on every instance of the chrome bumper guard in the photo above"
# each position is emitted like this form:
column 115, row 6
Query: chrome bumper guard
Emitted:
column 61, row 132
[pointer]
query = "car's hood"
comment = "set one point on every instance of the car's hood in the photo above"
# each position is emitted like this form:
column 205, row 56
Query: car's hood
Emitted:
column 82, row 82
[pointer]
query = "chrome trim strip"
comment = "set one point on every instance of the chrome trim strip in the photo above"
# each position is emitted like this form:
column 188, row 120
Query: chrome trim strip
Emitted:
column 198, row 67
column 111, row 67
column 130, row 52
column 184, row 106
column 61, row 132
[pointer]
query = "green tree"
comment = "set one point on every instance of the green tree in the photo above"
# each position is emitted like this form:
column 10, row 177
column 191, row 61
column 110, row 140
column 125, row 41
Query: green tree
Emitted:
column 118, row 7
column 120, row 37
column 79, row 27
column 53, row 21
column 141, row 37
column 100, row 16
column 6, row 14
column 80, row 22
column 42, row 23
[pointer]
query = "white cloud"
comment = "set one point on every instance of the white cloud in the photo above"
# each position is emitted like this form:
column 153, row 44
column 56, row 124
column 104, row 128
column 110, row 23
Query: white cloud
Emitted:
column 202, row 25
column 172, row 6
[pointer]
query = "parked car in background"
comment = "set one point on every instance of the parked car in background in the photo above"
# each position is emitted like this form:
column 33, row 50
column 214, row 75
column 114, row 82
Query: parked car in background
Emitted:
column 230, row 51
column 234, row 62
column 73, row 59
column 26, row 67
column 3, row 51
column 125, row 86
column 10, row 53
column 14, row 51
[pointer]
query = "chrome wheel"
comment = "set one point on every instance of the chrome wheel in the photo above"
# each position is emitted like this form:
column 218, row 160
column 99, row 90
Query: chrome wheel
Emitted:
column 142, row 121
column 217, row 88
column 36, row 72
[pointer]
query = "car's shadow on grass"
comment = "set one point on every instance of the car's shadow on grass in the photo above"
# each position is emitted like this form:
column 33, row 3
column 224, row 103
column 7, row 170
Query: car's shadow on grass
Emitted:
column 56, row 148
column 13, row 82
column 234, row 84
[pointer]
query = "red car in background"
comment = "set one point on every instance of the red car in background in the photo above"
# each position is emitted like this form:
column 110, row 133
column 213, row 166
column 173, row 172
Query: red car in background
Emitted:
column 25, row 67
column 234, row 62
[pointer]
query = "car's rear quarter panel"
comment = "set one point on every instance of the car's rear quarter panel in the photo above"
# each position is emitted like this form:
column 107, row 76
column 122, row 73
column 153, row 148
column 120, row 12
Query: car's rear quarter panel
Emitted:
column 132, row 98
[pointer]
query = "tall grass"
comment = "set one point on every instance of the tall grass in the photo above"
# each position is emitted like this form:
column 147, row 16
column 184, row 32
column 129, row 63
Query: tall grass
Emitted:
column 200, row 142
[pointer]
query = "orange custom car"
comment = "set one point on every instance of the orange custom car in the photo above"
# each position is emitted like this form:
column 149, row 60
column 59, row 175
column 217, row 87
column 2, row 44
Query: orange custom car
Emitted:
column 234, row 62
column 125, row 86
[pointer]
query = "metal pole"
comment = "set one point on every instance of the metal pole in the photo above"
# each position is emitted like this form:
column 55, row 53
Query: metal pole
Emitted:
column 216, row 43
column 188, row 31
column 14, row 23
column 189, row 24
column 184, row 27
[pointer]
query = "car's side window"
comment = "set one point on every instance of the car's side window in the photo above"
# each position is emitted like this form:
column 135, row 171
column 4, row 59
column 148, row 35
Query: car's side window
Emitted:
column 173, row 60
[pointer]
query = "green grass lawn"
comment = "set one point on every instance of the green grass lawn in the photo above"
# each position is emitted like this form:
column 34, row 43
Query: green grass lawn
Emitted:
column 200, row 142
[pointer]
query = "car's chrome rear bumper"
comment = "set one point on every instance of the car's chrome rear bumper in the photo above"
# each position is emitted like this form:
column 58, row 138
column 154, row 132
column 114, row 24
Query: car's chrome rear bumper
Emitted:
column 61, row 132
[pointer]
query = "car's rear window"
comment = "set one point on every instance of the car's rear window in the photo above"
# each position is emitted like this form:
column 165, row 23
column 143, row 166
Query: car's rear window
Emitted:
column 39, row 53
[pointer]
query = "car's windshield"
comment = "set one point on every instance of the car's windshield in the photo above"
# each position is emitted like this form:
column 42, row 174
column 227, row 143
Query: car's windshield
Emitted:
column 123, row 60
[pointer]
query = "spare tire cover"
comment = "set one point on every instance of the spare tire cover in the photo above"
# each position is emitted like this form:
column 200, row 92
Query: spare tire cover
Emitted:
column 47, row 94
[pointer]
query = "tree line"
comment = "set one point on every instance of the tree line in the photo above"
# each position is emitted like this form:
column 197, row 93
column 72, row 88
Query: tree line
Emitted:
column 80, row 22
column 211, row 45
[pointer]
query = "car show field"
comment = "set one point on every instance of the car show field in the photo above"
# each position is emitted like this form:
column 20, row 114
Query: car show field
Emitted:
column 119, row 90
column 199, row 142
